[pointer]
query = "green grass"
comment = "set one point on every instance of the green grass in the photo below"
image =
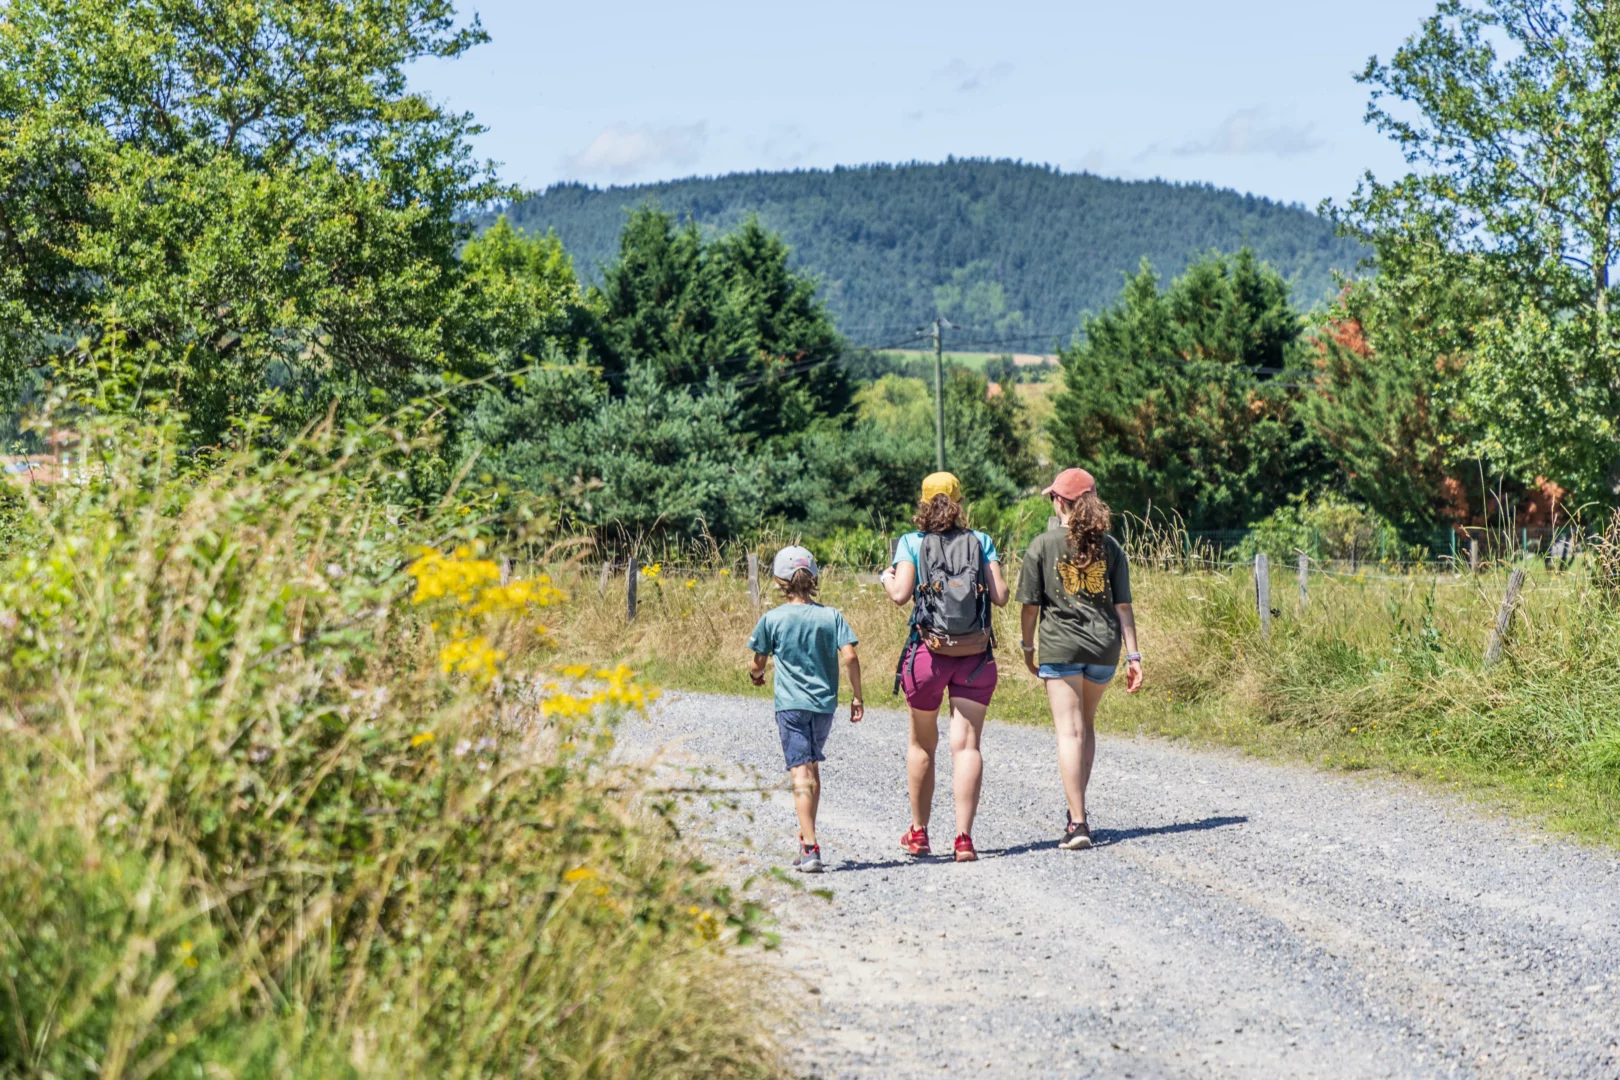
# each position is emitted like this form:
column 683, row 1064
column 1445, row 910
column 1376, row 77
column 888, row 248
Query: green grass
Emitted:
column 1375, row 675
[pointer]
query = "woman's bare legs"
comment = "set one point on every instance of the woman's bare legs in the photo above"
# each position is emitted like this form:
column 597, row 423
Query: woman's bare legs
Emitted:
column 920, row 764
column 1074, row 704
column 967, row 764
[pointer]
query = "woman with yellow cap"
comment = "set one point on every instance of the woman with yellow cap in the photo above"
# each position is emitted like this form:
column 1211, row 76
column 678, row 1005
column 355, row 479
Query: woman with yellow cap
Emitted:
column 952, row 574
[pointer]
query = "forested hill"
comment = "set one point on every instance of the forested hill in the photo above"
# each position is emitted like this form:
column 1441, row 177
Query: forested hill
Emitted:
column 997, row 245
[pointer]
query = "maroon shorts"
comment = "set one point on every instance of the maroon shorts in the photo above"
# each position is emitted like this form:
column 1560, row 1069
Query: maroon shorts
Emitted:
column 925, row 677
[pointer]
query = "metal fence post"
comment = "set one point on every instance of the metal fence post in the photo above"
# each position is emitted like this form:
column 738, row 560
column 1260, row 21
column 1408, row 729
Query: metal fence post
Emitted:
column 1304, row 579
column 631, row 573
column 1473, row 554
column 1262, row 592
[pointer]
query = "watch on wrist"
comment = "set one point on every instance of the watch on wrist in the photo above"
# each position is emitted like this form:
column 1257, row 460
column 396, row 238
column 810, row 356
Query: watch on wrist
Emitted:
column 1026, row 648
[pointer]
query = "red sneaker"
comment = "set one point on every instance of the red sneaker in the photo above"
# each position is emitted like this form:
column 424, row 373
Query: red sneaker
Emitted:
column 915, row 841
column 964, row 849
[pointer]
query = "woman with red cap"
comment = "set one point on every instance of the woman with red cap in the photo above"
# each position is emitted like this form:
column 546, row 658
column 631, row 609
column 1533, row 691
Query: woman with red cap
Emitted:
column 1075, row 588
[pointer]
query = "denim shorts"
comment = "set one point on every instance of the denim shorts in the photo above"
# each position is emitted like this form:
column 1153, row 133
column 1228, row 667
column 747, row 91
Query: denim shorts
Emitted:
column 804, row 735
column 1092, row 673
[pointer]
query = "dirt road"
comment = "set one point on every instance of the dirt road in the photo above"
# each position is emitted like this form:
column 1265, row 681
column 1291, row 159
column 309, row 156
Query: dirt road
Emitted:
column 1236, row 919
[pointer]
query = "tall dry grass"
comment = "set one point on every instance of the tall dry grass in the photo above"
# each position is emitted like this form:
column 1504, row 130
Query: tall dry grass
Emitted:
column 280, row 796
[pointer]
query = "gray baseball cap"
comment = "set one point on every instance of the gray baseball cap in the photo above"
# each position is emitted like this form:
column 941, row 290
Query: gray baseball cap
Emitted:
column 794, row 558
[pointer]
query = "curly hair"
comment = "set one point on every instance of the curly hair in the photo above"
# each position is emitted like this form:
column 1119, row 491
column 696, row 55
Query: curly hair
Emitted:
column 801, row 586
column 1089, row 519
column 940, row 514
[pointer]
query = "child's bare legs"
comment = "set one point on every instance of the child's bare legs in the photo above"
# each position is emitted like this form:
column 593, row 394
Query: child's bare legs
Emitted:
column 967, row 764
column 807, row 798
column 1074, row 702
column 920, row 764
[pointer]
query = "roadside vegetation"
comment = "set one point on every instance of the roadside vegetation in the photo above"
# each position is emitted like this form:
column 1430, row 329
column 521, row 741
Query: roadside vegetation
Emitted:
column 292, row 784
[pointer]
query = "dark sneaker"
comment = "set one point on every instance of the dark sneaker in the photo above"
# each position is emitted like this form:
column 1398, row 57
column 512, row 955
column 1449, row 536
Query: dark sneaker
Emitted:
column 1076, row 836
column 964, row 849
column 915, row 841
column 809, row 860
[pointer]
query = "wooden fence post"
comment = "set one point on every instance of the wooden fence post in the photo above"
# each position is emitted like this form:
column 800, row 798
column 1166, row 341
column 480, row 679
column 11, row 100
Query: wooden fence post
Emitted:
column 1262, row 592
column 506, row 570
column 1504, row 618
column 1304, row 579
column 1473, row 554
column 753, row 581
column 631, row 572
column 607, row 572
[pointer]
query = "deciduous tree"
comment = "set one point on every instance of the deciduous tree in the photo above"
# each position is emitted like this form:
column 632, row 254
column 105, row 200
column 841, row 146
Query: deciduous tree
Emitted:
column 1499, row 243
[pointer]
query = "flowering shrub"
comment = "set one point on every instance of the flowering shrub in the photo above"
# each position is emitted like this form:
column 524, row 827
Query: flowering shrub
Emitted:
column 284, row 792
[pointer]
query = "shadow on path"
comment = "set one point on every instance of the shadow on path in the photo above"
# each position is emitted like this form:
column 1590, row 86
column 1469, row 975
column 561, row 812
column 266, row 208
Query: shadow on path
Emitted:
column 1109, row 837
column 1099, row 838
column 1105, row 837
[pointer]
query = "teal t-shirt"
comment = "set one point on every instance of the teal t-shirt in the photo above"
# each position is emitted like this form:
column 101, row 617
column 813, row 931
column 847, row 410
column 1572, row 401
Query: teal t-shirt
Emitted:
column 910, row 548
column 805, row 639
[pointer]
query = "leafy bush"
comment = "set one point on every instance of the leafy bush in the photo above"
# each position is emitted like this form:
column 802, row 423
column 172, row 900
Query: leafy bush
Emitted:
column 286, row 792
column 1330, row 527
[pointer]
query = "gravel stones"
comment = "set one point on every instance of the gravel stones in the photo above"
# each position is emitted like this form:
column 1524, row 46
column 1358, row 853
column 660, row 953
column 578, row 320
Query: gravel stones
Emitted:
column 1237, row 918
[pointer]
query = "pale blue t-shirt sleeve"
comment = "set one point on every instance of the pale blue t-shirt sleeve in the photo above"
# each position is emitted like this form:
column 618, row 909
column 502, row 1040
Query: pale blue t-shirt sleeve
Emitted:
column 910, row 548
column 843, row 633
column 760, row 640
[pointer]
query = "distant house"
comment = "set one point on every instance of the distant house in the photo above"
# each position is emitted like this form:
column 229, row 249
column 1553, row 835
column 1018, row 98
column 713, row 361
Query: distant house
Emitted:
column 50, row 467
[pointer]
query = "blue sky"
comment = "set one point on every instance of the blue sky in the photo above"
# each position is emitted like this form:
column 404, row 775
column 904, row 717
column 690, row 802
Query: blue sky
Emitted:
column 1256, row 95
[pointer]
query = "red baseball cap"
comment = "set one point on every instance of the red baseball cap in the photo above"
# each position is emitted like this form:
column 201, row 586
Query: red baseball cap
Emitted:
column 1070, row 484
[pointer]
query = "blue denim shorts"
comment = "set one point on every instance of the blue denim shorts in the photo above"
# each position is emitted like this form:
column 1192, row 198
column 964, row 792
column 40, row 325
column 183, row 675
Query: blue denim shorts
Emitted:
column 1092, row 673
column 804, row 735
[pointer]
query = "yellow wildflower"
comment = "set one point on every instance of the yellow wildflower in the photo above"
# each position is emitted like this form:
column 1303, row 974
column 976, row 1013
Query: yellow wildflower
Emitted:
column 473, row 656
column 421, row 737
column 579, row 873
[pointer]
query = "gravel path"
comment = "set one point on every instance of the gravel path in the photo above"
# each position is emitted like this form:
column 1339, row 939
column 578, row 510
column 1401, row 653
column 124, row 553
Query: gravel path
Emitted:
column 1236, row 918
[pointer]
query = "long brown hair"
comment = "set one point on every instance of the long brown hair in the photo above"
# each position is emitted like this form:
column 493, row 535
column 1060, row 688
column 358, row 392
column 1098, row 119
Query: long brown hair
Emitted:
column 801, row 586
column 1089, row 519
column 940, row 514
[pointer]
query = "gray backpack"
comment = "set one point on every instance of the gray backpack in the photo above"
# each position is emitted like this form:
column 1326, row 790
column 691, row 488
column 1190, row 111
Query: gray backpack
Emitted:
column 952, row 615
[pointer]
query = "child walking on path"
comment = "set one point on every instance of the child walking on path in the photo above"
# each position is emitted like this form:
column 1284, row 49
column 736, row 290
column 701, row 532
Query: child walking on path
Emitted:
column 807, row 640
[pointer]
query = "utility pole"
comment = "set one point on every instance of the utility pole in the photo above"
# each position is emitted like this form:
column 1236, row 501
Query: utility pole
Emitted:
column 939, row 397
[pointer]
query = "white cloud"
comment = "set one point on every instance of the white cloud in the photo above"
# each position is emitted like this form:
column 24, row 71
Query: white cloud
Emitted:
column 967, row 78
column 785, row 145
column 1092, row 161
column 1247, row 131
column 622, row 151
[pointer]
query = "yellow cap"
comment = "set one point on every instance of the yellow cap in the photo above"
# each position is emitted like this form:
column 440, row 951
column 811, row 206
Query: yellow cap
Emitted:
column 941, row 483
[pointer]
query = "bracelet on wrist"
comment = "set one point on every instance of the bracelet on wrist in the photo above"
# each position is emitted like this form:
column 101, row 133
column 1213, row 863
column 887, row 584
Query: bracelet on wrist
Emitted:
column 1136, row 656
column 1026, row 648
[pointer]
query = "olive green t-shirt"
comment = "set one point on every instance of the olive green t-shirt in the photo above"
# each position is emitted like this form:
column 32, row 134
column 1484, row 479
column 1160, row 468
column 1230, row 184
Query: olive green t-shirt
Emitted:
column 1078, row 622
